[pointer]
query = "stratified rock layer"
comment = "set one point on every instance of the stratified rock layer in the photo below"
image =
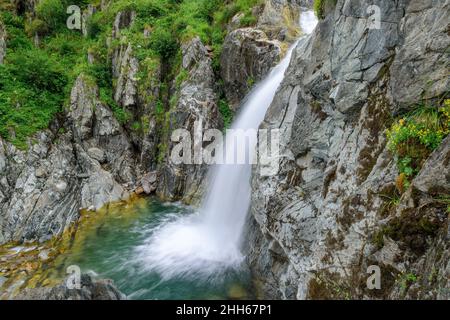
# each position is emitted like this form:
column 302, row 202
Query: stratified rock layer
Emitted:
column 316, row 225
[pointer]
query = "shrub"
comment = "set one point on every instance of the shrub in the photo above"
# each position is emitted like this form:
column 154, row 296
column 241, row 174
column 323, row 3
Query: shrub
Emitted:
column 24, row 109
column 321, row 5
column 38, row 70
column 163, row 43
column 413, row 137
column 52, row 13
column 226, row 112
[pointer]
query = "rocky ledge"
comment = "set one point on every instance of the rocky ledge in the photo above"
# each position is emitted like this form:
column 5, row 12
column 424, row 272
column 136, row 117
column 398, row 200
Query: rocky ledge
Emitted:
column 90, row 289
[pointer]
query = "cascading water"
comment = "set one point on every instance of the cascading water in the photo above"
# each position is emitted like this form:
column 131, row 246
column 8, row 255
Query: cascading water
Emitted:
column 204, row 244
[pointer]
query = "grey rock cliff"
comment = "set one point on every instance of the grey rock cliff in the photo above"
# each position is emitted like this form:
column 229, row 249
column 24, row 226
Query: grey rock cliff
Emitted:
column 314, row 224
column 247, row 56
column 249, row 53
column 197, row 102
column 43, row 188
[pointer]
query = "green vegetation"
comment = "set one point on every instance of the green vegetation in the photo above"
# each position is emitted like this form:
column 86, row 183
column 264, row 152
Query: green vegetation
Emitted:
column 32, row 86
column 35, row 82
column 226, row 112
column 413, row 137
column 321, row 5
column 406, row 279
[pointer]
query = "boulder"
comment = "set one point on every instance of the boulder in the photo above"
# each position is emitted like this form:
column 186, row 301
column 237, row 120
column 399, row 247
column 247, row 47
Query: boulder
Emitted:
column 149, row 182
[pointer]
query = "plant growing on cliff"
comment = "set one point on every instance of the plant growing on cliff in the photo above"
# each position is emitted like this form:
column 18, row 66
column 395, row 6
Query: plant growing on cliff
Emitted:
column 226, row 112
column 413, row 137
column 320, row 7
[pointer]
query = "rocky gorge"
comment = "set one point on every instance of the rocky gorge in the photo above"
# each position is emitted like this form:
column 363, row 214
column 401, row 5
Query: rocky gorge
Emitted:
column 338, row 204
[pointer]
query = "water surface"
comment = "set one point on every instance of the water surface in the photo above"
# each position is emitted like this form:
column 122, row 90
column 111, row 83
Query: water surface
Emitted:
column 111, row 245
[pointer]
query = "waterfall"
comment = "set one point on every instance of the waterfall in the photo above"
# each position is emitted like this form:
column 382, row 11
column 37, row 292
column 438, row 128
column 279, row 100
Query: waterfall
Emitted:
column 204, row 244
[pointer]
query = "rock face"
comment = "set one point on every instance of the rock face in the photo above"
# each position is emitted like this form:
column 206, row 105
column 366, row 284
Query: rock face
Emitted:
column 247, row 57
column 197, row 102
column 249, row 53
column 279, row 18
column 124, row 65
column 315, row 225
column 2, row 42
column 42, row 189
column 90, row 290
column 139, row 100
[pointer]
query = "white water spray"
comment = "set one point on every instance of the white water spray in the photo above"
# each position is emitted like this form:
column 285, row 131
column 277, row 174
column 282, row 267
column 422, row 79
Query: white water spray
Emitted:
column 206, row 243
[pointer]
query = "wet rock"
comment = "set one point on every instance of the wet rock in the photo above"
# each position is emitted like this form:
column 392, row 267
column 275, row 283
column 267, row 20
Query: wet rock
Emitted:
column 2, row 280
column 149, row 182
column 247, row 56
column 435, row 174
column 126, row 69
column 279, row 19
column 197, row 101
column 43, row 188
column 90, row 290
column 421, row 58
column 44, row 255
column 96, row 154
column 104, row 135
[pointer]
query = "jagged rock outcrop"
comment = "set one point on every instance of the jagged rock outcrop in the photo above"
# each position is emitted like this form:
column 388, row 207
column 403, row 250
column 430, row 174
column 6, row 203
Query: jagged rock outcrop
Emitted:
column 280, row 18
column 2, row 42
column 247, row 56
column 315, row 225
column 249, row 53
column 100, row 142
column 124, row 65
column 197, row 101
column 85, row 162
column 90, row 290
column 137, row 100
column 40, row 191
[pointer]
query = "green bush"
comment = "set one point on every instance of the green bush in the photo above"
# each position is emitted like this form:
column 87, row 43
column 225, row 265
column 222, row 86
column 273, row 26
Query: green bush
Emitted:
column 37, row 70
column 163, row 43
column 35, row 83
column 413, row 137
column 52, row 13
column 25, row 109
column 226, row 112
column 321, row 5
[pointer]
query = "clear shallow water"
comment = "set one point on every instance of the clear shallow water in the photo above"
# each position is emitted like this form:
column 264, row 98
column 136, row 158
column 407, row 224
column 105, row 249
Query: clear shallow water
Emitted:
column 111, row 247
